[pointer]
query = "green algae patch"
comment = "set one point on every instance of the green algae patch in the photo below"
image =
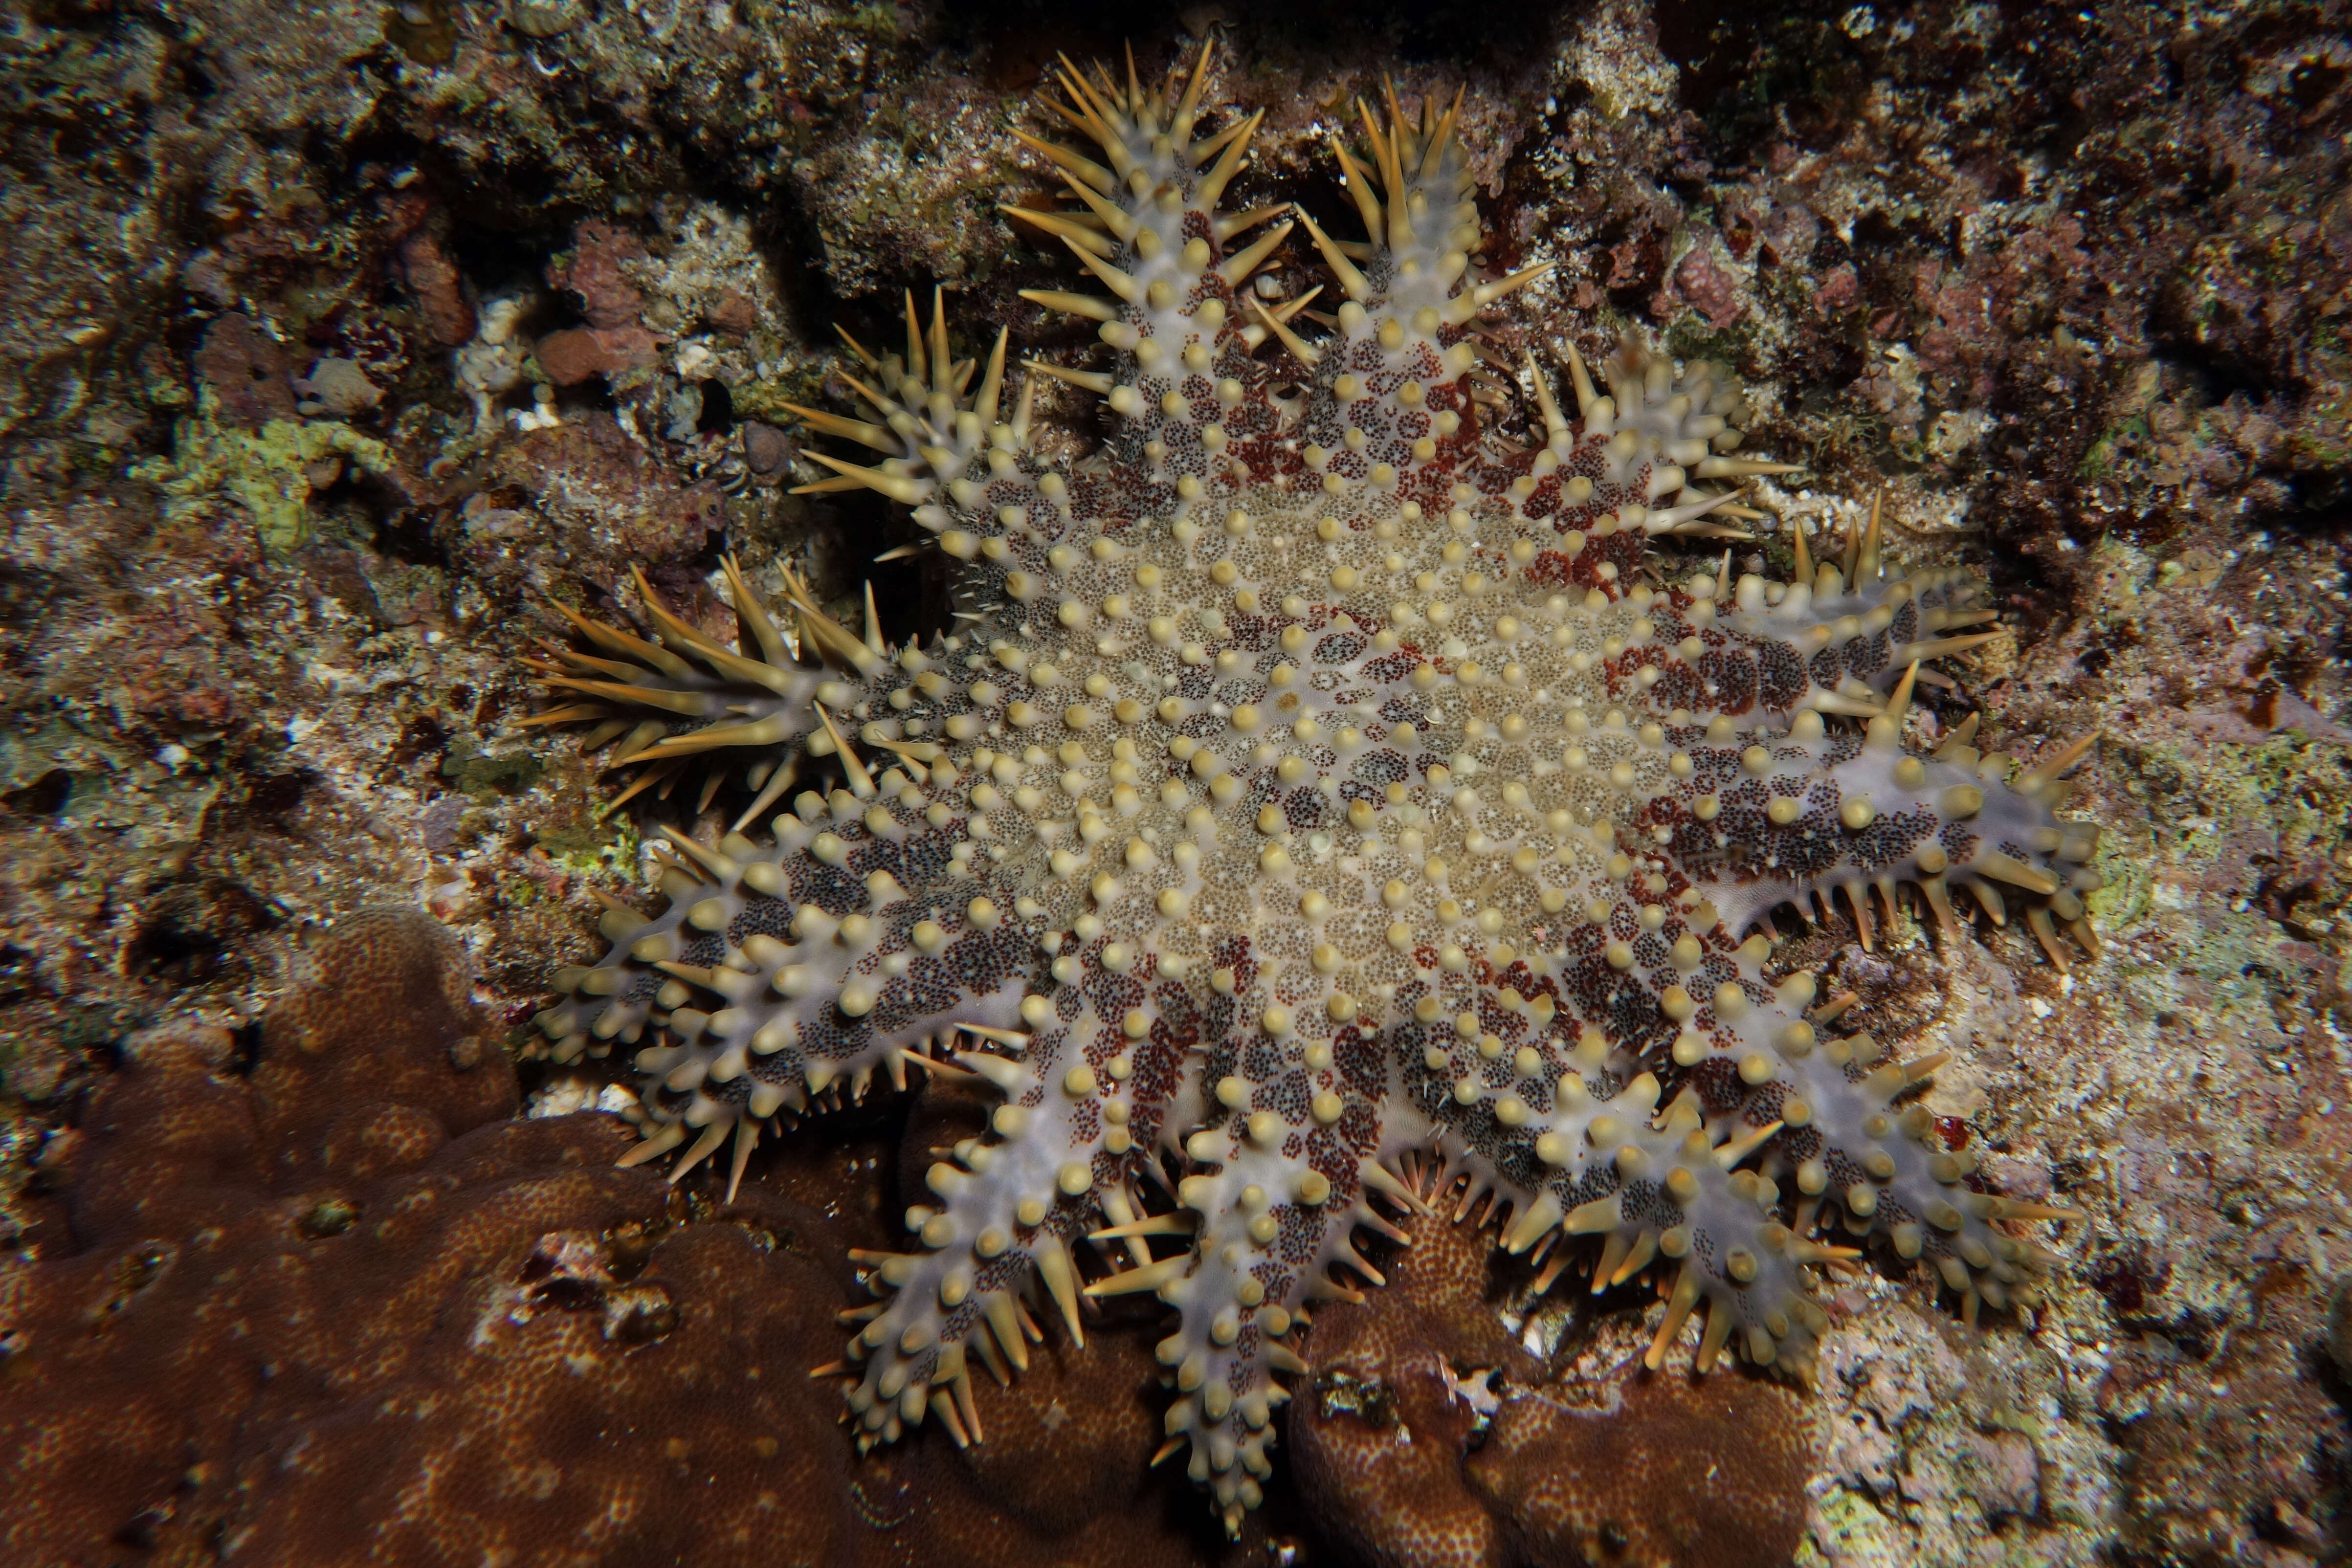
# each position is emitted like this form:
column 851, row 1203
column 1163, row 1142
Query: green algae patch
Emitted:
column 267, row 472
column 482, row 775
column 2126, row 893
column 1850, row 1523
column 581, row 842
column 620, row 852
column 1693, row 337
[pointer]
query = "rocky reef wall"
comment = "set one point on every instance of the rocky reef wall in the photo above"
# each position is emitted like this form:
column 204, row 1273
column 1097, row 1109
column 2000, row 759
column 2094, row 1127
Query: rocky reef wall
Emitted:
column 333, row 356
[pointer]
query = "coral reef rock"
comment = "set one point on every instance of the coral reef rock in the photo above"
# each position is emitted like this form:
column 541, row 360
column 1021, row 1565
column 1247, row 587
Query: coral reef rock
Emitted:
column 293, row 464
column 1318, row 777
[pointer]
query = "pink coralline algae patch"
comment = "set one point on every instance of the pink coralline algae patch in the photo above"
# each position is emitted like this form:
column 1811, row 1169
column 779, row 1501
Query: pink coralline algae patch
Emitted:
column 1707, row 287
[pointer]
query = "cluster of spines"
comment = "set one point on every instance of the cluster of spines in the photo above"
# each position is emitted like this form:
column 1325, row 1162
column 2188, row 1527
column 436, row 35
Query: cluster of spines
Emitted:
column 973, row 481
column 768, row 704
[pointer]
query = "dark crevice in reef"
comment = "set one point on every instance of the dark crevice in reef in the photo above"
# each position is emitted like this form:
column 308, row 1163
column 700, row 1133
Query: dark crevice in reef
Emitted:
column 192, row 931
column 46, row 795
column 1025, row 34
column 496, row 259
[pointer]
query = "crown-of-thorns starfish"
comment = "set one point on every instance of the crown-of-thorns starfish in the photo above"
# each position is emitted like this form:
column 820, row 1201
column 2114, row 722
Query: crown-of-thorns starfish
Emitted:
column 1318, row 780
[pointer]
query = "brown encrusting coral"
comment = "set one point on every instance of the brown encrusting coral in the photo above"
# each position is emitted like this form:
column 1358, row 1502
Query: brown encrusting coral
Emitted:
column 1426, row 1435
column 320, row 1297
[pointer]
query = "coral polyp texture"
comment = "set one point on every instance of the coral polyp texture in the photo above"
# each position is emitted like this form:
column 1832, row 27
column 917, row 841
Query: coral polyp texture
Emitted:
column 1318, row 787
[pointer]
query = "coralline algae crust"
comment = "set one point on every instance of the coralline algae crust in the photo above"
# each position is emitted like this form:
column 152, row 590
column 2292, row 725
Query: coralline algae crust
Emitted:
column 1317, row 782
